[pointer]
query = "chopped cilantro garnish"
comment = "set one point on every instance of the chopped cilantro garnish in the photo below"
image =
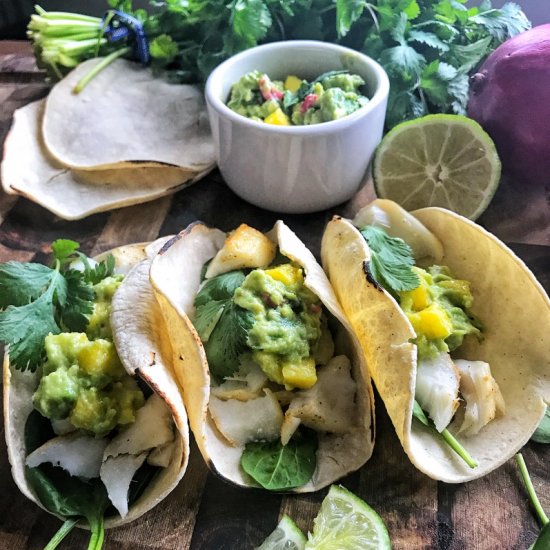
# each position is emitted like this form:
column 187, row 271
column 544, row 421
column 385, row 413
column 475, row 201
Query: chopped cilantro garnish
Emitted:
column 37, row 300
column 391, row 260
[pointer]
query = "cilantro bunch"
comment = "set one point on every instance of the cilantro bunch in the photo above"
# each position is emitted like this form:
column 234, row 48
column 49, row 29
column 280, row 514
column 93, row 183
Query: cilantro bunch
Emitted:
column 36, row 300
column 428, row 47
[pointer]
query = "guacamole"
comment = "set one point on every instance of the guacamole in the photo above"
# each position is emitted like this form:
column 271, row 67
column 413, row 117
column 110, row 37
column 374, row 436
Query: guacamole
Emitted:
column 287, row 323
column 438, row 311
column 83, row 379
column 297, row 102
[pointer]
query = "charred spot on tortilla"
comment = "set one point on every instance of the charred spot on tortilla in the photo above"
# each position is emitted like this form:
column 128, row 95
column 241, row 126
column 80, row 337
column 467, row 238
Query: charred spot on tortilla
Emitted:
column 370, row 277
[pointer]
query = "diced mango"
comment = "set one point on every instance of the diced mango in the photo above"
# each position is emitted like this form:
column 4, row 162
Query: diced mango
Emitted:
column 244, row 247
column 419, row 298
column 300, row 374
column 433, row 322
column 292, row 83
column 270, row 364
column 287, row 274
column 278, row 118
column 100, row 357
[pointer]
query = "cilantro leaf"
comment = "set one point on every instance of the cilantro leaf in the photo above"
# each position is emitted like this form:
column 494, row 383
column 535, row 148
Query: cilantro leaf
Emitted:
column 100, row 271
column 63, row 249
column 347, row 13
column 21, row 283
column 23, row 329
column 228, row 340
column 222, row 325
column 391, row 260
column 78, row 303
column 249, row 22
column 163, row 47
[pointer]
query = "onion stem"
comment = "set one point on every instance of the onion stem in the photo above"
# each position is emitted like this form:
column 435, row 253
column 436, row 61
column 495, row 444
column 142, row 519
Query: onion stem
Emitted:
column 543, row 518
column 106, row 61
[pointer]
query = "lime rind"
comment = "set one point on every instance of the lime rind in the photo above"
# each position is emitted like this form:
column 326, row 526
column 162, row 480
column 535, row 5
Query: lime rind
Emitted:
column 286, row 536
column 438, row 160
column 346, row 522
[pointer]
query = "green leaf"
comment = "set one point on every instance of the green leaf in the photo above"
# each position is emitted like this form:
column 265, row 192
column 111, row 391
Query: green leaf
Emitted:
column 228, row 340
column 468, row 56
column 419, row 414
column 428, row 38
column 542, row 433
column 543, row 540
column 347, row 13
column 24, row 328
column 402, row 59
column 64, row 248
column 221, row 287
column 391, row 260
column 163, row 47
column 412, row 11
column 100, row 271
column 278, row 467
column 250, row 20
column 79, row 302
column 503, row 23
column 20, row 283
column 207, row 317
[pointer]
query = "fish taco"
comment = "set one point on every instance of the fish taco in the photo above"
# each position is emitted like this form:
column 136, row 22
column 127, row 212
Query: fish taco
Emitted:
column 95, row 425
column 444, row 312
column 274, row 382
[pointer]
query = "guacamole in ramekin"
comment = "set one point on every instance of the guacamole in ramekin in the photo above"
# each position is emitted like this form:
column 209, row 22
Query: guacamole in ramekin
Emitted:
column 297, row 102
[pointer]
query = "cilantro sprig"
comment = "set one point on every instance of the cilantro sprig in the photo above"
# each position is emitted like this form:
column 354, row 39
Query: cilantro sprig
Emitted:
column 36, row 300
column 391, row 260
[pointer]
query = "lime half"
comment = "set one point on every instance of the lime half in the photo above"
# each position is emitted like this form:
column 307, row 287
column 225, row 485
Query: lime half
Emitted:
column 287, row 536
column 345, row 522
column 438, row 160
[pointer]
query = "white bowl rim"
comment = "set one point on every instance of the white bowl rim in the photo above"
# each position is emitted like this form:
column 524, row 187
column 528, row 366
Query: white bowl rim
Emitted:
column 216, row 77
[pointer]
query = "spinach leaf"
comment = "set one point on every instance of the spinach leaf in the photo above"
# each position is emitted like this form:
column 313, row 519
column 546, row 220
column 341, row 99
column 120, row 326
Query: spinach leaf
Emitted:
column 278, row 467
column 542, row 433
column 543, row 540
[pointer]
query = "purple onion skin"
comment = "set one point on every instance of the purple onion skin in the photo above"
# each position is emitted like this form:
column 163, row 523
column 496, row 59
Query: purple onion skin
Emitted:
column 510, row 98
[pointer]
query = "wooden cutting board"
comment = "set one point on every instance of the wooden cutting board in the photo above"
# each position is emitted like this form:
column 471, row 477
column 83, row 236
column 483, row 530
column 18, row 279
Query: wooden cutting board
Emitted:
column 491, row 513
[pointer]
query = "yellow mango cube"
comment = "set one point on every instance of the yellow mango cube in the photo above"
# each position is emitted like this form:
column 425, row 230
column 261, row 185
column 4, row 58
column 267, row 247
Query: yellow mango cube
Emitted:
column 300, row 374
column 420, row 298
column 278, row 118
column 287, row 274
column 292, row 83
column 433, row 322
column 100, row 357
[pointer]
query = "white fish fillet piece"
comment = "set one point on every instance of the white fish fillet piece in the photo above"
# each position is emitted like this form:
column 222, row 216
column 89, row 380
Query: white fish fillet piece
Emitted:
column 437, row 383
column 152, row 428
column 116, row 474
column 329, row 405
column 480, row 391
column 243, row 421
column 78, row 454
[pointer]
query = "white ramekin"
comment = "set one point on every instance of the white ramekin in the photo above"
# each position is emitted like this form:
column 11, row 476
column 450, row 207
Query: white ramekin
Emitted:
column 296, row 169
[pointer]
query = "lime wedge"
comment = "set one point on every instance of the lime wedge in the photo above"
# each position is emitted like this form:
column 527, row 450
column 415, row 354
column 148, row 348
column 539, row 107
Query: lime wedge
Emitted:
column 287, row 536
column 345, row 522
column 438, row 160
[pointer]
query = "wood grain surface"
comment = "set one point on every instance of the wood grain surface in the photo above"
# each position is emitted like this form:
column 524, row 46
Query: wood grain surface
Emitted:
column 205, row 513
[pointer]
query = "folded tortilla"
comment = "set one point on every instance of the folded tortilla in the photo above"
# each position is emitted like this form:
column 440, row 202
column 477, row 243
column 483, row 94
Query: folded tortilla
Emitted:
column 29, row 170
column 513, row 308
column 176, row 276
column 144, row 350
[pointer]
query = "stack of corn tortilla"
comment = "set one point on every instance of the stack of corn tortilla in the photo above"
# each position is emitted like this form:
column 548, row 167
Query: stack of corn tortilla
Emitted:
column 128, row 137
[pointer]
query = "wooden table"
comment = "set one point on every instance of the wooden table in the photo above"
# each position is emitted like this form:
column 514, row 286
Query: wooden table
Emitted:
column 205, row 513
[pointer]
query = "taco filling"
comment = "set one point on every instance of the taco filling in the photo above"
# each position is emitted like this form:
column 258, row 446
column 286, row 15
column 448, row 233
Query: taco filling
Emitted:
column 277, row 387
column 438, row 306
column 94, row 436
